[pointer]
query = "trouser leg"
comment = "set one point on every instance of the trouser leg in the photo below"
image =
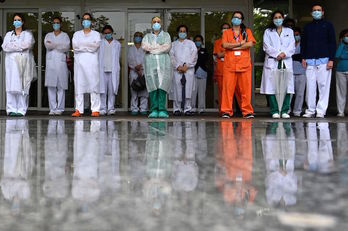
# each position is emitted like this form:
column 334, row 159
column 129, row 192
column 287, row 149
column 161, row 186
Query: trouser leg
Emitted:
column 311, row 90
column 188, row 106
column 162, row 100
column 111, row 94
column 202, row 86
column 143, row 103
column 244, row 89
column 22, row 103
column 300, row 86
column 79, row 102
column 61, row 100
column 153, row 95
column 11, row 103
column 219, row 85
column 341, row 91
column 52, row 98
column 134, row 101
column 95, row 102
column 323, row 81
column 273, row 104
column 228, row 87
column 286, row 104
column 194, row 95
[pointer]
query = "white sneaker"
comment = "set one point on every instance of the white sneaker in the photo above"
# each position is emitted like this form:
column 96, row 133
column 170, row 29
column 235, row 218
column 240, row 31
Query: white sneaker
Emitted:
column 102, row 113
column 319, row 115
column 112, row 112
column 275, row 116
column 340, row 115
column 307, row 115
column 297, row 114
column 285, row 116
column 58, row 113
column 226, row 116
column 51, row 113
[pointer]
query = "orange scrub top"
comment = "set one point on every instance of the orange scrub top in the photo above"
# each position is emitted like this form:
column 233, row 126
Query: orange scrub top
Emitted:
column 219, row 63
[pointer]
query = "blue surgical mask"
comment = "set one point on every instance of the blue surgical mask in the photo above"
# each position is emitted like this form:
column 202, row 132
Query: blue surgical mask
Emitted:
column 156, row 26
column 236, row 21
column 56, row 26
column 86, row 24
column 345, row 39
column 297, row 38
column 278, row 22
column 108, row 36
column 138, row 39
column 17, row 24
column 182, row 35
column 198, row 44
column 317, row 14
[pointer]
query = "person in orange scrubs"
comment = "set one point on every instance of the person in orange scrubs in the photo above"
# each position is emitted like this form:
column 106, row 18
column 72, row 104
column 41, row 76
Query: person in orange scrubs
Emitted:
column 218, row 55
column 237, row 42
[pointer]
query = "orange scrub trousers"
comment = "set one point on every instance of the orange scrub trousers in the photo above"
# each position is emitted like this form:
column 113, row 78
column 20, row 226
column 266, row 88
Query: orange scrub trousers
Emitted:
column 219, row 65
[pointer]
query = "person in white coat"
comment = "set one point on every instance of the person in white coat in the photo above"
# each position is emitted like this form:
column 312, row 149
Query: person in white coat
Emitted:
column 109, row 62
column 19, row 67
column 86, row 45
column 184, row 57
column 279, row 46
column 136, row 57
column 57, row 44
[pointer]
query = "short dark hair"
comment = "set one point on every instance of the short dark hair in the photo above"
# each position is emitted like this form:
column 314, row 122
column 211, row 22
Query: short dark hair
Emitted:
column 180, row 26
column 88, row 15
column 318, row 4
column 297, row 29
column 343, row 33
column 223, row 24
column 199, row 36
column 271, row 24
column 58, row 18
column 108, row 27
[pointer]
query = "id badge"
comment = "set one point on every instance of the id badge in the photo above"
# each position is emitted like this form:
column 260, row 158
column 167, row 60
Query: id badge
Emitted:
column 237, row 53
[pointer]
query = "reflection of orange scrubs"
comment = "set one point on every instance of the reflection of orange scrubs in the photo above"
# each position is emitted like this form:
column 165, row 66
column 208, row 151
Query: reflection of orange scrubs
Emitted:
column 237, row 75
column 219, row 65
column 238, row 161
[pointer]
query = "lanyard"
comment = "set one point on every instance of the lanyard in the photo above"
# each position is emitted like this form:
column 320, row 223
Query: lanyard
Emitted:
column 236, row 37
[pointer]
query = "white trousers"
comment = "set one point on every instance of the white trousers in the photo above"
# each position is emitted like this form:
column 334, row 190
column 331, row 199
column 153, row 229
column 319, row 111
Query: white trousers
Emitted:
column 16, row 103
column 56, row 99
column 321, row 77
column 300, row 86
column 177, row 105
column 201, row 86
column 135, row 97
column 107, row 99
column 341, row 90
column 95, row 102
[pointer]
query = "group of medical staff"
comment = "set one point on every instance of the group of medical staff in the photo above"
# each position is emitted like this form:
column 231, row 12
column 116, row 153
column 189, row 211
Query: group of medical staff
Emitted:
column 159, row 68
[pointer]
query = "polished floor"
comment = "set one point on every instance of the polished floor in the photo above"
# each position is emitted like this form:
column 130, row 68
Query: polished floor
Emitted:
column 180, row 174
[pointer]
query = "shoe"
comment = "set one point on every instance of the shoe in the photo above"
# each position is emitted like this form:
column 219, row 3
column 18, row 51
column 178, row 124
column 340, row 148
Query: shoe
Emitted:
column 340, row 115
column 319, row 115
column 134, row 113
column 226, row 116
column 102, row 113
column 285, row 116
column 188, row 113
column 95, row 114
column 51, row 113
column 177, row 113
column 153, row 114
column 297, row 114
column 143, row 113
column 249, row 116
column 163, row 114
column 307, row 115
column 76, row 114
column 276, row 116
column 19, row 114
column 58, row 113
column 111, row 112
column 12, row 114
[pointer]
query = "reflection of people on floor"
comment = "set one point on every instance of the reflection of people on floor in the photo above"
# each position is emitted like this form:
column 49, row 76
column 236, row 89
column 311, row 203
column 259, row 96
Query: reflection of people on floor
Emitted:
column 158, row 151
column 319, row 155
column 109, row 157
column 18, row 163
column 85, row 185
column 202, row 143
column 342, row 151
column 234, row 172
column 278, row 147
column 300, row 144
column 56, row 183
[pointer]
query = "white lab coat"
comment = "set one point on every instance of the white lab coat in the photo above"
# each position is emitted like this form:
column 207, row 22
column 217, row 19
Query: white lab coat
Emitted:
column 56, row 67
column 136, row 57
column 183, row 52
column 18, row 46
column 273, row 45
column 86, row 62
column 116, row 55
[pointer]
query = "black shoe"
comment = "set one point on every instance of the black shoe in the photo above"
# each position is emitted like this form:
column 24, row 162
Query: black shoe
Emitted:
column 177, row 113
column 188, row 113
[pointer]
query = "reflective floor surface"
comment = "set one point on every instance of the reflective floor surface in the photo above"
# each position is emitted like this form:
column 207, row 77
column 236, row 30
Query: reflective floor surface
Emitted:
column 64, row 174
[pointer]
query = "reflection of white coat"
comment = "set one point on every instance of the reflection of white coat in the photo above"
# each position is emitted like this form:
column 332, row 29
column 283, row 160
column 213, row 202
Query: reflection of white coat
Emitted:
column 85, row 186
column 86, row 63
column 18, row 161
column 17, row 46
column 116, row 54
column 56, row 67
column 183, row 52
column 135, row 58
column 273, row 45
column 56, row 150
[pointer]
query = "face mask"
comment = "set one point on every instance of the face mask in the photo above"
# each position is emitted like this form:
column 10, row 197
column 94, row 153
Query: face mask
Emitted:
column 156, row 26
column 345, row 39
column 138, row 39
column 198, row 44
column 317, row 14
column 278, row 22
column 182, row 35
column 17, row 24
column 86, row 24
column 56, row 26
column 108, row 36
column 236, row 21
column 297, row 38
